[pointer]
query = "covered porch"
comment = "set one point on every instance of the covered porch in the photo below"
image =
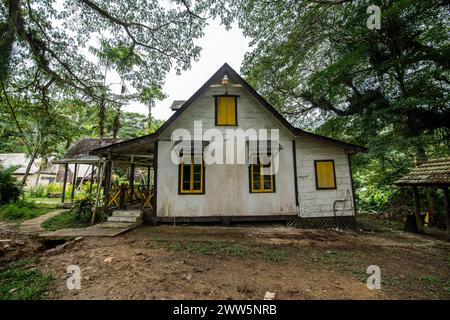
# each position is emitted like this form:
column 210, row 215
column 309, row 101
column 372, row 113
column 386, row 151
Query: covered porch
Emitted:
column 134, row 159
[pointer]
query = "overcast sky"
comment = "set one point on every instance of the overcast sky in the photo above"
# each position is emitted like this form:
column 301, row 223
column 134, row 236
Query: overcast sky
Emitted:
column 212, row 57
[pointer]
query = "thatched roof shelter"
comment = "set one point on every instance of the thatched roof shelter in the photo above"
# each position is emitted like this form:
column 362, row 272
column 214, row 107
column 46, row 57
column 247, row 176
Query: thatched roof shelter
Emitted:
column 435, row 172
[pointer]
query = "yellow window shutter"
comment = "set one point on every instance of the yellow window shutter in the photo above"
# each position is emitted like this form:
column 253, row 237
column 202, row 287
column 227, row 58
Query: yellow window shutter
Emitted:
column 325, row 175
column 221, row 111
column 231, row 110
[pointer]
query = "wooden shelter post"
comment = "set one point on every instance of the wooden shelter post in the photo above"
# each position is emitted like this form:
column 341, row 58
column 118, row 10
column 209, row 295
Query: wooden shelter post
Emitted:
column 447, row 209
column 74, row 182
column 66, row 169
column 418, row 217
column 92, row 179
column 107, row 182
column 148, row 178
column 132, row 181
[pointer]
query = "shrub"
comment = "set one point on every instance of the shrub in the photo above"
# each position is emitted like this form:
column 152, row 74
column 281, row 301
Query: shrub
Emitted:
column 21, row 210
column 82, row 209
column 37, row 192
column 54, row 187
column 9, row 188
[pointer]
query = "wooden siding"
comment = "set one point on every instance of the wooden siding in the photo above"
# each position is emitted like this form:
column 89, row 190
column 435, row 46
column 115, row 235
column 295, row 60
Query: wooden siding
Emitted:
column 319, row 203
column 226, row 186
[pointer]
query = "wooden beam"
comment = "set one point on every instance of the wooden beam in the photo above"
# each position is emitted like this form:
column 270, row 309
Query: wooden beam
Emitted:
column 447, row 210
column 418, row 217
column 74, row 182
column 107, row 183
column 92, row 179
column 148, row 178
column 66, row 168
column 131, row 181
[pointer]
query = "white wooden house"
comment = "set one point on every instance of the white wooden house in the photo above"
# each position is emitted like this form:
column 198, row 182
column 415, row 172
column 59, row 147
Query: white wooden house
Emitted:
column 313, row 183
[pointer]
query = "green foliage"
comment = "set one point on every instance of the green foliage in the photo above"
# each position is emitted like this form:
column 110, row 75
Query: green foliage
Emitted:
column 20, row 281
column 319, row 64
column 37, row 192
column 21, row 210
column 65, row 219
column 54, row 187
column 79, row 216
column 9, row 189
column 82, row 209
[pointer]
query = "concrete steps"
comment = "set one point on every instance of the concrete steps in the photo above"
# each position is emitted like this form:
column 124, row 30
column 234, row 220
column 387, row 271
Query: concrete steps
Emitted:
column 134, row 217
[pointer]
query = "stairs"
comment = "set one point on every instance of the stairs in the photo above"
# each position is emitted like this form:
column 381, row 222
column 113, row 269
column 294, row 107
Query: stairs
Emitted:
column 126, row 217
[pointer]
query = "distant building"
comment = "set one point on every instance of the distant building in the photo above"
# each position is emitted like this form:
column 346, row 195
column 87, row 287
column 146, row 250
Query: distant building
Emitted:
column 41, row 172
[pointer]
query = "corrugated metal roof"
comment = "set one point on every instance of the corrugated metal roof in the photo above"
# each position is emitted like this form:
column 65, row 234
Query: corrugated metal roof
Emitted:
column 432, row 172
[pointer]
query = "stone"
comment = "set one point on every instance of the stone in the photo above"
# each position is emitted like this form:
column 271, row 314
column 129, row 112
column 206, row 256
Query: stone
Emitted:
column 108, row 260
column 269, row 295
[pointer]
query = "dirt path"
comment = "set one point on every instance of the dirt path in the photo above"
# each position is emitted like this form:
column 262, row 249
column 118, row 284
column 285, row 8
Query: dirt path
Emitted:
column 186, row 262
column 34, row 226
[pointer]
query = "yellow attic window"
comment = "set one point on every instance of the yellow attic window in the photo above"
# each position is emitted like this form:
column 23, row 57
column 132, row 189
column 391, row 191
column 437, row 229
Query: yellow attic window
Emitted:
column 226, row 110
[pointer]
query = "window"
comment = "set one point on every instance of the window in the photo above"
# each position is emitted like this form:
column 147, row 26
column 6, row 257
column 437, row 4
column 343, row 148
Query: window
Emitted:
column 325, row 176
column 191, row 175
column 226, row 110
column 260, row 172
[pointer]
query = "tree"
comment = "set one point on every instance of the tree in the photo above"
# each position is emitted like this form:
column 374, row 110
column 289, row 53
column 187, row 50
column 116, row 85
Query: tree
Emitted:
column 319, row 64
column 33, row 121
column 317, row 59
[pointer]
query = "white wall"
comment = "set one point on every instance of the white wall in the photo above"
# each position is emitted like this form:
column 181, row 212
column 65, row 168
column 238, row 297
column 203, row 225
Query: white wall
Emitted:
column 226, row 186
column 319, row 203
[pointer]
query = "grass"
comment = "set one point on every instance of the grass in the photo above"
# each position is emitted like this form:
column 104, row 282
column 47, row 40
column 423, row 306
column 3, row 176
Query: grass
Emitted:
column 19, row 281
column 227, row 248
column 65, row 219
column 22, row 210
column 341, row 257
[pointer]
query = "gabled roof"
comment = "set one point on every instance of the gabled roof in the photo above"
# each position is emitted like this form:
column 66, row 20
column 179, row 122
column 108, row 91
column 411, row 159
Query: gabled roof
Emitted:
column 431, row 173
column 235, row 77
column 81, row 150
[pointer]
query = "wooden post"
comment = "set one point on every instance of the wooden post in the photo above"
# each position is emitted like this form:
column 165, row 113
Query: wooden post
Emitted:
column 122, row 196
column 131, row 182
column 74, row 182
column 418, row 217
column 447, row 209
column 107, row 182
column 148, row 178
column 66, row 168
column 92, row 179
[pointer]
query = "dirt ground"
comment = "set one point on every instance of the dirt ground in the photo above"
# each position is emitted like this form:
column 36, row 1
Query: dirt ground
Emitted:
column 243, row 262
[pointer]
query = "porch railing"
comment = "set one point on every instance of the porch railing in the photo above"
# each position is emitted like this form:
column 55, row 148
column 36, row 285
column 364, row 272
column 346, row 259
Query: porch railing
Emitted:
column 120, row 197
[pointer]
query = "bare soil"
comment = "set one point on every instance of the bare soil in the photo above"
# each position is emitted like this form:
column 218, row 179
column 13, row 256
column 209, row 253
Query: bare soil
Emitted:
column 212, row 262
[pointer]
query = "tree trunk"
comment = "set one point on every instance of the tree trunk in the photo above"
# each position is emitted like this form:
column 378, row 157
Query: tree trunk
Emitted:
column 30, row 163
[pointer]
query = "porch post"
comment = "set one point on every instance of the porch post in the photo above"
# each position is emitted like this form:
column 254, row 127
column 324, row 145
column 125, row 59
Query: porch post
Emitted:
column 131, row 182
column 74, row 182
column 107, row 182
column 92, row 179
column 447, row 209
column 66, row 168
column 148, row 178
column 419, row 223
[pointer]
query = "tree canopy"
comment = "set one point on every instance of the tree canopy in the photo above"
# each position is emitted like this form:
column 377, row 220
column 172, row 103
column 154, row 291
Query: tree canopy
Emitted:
column 388, row 89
